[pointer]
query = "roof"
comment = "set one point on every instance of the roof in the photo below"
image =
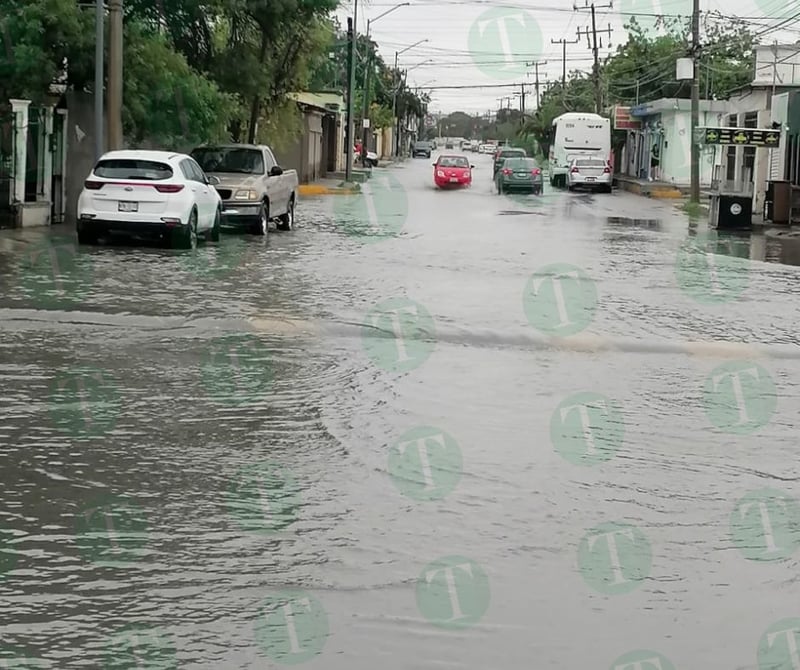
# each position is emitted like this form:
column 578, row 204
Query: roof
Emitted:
column 323, row 101
column 231, row 145
column 675, row 105
column 146, row 154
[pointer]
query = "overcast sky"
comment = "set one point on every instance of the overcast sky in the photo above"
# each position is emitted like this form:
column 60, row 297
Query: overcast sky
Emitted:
column 489, row 43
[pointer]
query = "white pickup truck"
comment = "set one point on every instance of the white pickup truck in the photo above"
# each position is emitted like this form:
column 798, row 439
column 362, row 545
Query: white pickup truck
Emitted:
column 253, row 187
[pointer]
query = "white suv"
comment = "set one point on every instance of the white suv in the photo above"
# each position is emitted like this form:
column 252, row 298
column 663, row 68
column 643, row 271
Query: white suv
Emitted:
column 149, row 194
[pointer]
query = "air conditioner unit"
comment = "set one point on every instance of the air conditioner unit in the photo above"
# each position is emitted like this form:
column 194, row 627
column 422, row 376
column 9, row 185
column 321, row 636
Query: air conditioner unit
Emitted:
column 333, row 106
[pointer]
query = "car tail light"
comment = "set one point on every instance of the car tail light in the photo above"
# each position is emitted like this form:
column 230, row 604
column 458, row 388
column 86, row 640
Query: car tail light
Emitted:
column 506, row 171
column 93, row 185
column 169, row 188
column 574, row 170
column 536, row 171
column 606, row 170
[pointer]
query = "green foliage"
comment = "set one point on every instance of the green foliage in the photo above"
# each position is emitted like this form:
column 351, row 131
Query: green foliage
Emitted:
column 195, row 70
column 166, row 102
column 39, row 37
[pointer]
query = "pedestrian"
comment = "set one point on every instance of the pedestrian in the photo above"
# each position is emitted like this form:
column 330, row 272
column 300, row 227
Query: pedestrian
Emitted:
column 654, row 163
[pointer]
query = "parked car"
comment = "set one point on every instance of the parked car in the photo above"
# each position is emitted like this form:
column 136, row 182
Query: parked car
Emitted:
column 253, row 187
column 590, row 173
column 448, row 145
column 487, row 148
column 154, row 195
column 519, row 174
column 422, row 149
column 506, row 152
column 452, row 170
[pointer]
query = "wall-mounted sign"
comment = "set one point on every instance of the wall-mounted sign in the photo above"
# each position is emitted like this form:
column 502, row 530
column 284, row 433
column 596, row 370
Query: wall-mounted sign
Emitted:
column 623, row 119
column 745, row 137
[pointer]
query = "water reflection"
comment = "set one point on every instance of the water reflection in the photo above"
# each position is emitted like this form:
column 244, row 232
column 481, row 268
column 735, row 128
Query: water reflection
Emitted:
column 770, row 246
column 626, row 222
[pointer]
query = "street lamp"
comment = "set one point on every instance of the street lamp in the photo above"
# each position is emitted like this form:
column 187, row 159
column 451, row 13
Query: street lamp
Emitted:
column 414, row 67
column 394, row 96
column 368, row 67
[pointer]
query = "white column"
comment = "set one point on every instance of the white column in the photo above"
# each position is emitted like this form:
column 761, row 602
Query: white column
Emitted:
column 20, row 110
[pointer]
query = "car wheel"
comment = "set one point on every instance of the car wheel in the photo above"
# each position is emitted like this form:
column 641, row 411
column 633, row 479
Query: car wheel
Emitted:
column 188, row 237
column 86, row 238
column 286, row 221
column 213, row 234
column 261, row 225
column 570, row 187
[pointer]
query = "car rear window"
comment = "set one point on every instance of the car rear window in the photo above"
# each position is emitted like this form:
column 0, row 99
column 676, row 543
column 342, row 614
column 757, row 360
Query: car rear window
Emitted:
column 512, row 152
column 453, row 161
column 131, row 168
column 520, row 162
column 591, row 162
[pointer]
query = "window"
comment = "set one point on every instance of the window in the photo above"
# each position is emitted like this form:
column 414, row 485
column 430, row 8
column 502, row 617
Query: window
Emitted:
column 453, row 161
column 130, row 168
column 230, row 159
column 749, row 153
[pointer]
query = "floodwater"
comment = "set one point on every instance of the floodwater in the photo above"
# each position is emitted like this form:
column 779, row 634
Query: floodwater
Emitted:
column 358, row 445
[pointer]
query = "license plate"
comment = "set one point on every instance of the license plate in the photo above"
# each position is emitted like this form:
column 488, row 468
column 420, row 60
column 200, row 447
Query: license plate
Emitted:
column 453, row 178
column 589, row 178
column 128, row 206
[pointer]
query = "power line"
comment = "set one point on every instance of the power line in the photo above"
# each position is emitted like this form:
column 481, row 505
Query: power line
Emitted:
column 598, row 95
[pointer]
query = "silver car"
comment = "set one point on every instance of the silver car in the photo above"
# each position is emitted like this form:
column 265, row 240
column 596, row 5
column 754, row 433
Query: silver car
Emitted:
column 589, row 173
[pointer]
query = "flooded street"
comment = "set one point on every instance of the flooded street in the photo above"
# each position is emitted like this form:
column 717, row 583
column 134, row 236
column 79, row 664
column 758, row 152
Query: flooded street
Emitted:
column 357, row 445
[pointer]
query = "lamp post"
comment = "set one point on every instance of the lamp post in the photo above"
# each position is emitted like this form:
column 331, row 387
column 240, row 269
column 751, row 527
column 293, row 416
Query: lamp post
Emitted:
column 367, row 69
column 351, row 81
column 394, row 96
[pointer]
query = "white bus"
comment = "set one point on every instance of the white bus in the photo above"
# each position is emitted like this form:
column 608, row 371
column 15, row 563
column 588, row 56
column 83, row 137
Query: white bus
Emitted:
column 577, row 134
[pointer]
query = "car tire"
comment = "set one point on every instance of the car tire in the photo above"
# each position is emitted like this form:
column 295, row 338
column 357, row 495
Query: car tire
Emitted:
column 188, row 236
column 570, row 187
column 260, row 226
column 87, row 238
column 213, row 234
column 500, row 189
column 286, row 221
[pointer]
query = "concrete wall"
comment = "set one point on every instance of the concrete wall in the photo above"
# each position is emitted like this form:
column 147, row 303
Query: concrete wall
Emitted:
column 80, row 149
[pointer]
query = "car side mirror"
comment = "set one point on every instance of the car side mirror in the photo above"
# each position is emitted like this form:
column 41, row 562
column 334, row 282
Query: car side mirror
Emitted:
column 212, row 180
column 472, row 167
column 276, row 171
column 434, row 164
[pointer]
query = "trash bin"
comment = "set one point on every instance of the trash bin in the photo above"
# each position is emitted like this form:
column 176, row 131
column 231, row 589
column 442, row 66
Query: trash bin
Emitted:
column 731, row 212
column 778, row 201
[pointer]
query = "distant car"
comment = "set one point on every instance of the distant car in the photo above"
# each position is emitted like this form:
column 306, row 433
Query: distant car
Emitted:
column 421, row 149
column 506, row 152
column 448, row 145
column 474, row 146
column 520, row 175
column 486, row 148
column 155, row 195
column 589, row 173
column 452, row 170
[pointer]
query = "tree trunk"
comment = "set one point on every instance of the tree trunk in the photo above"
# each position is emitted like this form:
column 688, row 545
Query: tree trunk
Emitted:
column 255, row 107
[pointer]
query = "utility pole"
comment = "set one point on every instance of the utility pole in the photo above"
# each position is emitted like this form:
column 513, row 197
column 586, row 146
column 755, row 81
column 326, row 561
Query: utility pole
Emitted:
column 563, row 42
column 99, row 79
column 598, row 95
column 114, row 102
column 351, row 97
column 694, row 195
column 536, row 65
column 522, row 100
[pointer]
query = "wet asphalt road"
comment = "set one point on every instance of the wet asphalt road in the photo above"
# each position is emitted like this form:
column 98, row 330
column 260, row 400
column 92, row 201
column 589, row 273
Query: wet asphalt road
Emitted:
column 224, row 459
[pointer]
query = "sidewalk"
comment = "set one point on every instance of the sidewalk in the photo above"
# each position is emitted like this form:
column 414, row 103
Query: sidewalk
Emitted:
column 328, row 187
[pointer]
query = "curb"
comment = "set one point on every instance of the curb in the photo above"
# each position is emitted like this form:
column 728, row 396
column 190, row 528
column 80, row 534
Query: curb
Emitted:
column 318, row 189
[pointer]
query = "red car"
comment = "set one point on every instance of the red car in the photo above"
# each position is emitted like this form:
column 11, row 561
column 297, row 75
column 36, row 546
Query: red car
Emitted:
column 452, row 171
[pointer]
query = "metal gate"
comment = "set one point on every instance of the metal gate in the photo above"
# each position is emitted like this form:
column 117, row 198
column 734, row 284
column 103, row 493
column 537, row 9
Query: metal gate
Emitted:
column 7, row 137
